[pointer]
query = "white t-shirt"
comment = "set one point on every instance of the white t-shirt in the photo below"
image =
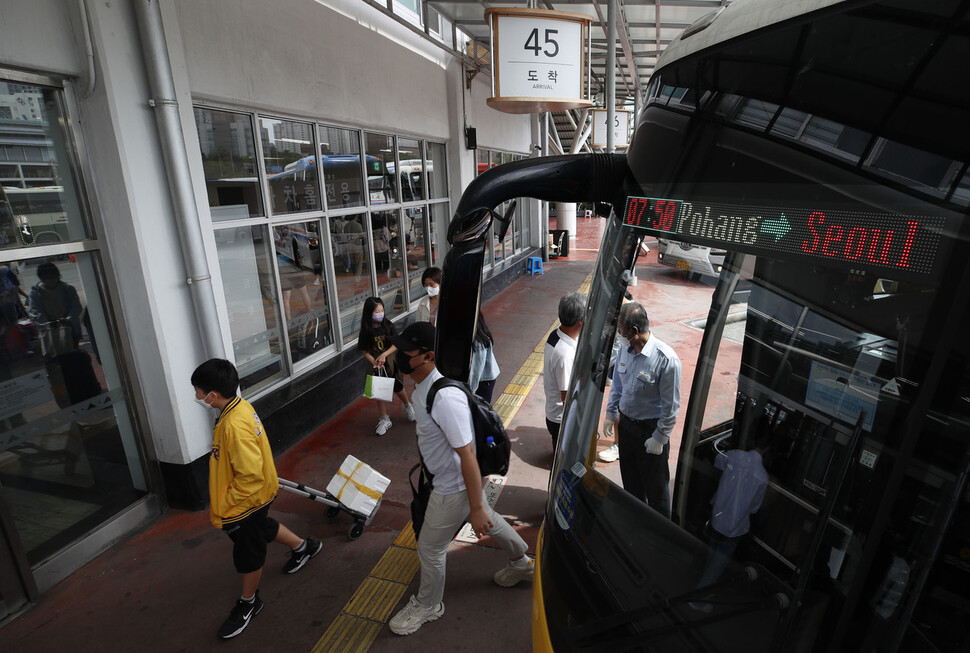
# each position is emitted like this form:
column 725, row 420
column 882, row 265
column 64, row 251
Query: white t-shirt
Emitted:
column 449, row 427
column 557, row 367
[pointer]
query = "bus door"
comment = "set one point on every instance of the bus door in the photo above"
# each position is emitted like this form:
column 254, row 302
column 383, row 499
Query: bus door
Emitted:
column 822, row 376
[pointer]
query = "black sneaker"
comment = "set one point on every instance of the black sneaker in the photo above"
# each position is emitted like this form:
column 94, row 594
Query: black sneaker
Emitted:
column 242, row 613
column 297, row 560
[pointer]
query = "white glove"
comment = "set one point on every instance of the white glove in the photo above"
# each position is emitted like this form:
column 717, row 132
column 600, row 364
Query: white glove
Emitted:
column 608, row 427
column 653, row 446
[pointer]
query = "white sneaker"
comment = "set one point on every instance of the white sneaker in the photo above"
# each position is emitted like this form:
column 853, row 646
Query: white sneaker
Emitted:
column 409, row 411
column 515, row 572
column 383, row 424
column 609, row 455
column 413, row 616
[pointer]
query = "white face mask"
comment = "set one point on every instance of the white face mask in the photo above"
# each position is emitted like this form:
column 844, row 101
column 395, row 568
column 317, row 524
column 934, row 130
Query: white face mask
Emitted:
column 433, row 291
column 202, row 402
column 624, row 342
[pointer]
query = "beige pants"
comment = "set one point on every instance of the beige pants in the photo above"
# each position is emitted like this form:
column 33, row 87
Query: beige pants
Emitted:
column 446, row 514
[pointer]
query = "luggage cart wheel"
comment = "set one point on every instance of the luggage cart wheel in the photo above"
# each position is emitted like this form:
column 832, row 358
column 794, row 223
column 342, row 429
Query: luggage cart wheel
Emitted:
column 356, row 530
column 332, row 512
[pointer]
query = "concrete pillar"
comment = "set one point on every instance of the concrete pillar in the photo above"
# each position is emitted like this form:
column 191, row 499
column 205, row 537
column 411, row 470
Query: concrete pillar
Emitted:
column 566, row 217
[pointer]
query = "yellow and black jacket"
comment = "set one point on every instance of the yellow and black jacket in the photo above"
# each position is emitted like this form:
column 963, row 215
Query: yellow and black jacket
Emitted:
column 242, row 476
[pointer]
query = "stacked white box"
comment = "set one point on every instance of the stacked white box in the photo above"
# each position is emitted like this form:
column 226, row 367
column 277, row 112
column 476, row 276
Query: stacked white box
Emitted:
column 358, row 486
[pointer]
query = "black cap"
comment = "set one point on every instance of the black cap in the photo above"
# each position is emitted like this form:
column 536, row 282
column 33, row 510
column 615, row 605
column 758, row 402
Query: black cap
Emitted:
column 419, row 335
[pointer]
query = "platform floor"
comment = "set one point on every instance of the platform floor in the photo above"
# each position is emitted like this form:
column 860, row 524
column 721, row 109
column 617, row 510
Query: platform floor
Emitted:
column 170, row 587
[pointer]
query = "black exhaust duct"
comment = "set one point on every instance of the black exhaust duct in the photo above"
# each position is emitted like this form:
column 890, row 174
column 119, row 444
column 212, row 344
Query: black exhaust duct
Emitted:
column 575, row 178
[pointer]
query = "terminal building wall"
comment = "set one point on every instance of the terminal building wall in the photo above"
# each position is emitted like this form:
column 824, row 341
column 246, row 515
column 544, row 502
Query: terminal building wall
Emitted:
column 338, row 64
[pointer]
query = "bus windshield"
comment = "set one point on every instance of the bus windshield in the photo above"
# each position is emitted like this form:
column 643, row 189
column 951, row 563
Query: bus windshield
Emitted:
column 820, row 489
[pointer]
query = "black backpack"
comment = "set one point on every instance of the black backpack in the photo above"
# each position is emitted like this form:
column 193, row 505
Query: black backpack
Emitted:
column 493, row 456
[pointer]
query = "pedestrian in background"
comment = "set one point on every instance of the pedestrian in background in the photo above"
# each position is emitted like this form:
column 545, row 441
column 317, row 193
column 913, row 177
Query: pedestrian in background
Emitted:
column 558, row 356
column 428, row 305
column 484, row 368
column 375, row 341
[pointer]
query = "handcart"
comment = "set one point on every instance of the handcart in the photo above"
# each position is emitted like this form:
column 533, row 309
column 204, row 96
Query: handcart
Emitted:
column 335, row 506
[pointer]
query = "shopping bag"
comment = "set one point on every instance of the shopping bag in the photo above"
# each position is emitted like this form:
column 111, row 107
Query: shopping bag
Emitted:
column 379, row 386
column 56, row 339
column 421, row 495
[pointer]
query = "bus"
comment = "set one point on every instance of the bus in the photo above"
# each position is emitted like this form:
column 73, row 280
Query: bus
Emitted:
column 39, row 214
column 295, row 186
column 824, row 146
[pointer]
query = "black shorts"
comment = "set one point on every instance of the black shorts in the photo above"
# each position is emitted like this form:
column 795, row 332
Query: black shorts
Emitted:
column 250, row 537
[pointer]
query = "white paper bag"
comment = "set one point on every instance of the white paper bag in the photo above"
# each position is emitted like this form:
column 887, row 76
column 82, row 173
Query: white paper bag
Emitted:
column 379, row 387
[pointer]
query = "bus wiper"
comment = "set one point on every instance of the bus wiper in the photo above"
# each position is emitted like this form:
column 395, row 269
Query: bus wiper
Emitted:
column 600, row 626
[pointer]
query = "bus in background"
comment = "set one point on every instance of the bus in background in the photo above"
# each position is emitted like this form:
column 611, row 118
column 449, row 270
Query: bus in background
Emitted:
column 695, row 260
column 825, row 148
column 295, row 186
column 39, row 214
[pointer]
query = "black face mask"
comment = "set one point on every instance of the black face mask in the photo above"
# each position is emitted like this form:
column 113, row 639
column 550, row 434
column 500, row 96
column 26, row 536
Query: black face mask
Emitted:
column 403, row 362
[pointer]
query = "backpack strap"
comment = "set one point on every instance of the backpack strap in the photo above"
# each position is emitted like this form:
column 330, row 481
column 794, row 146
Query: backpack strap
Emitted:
column 443, row 382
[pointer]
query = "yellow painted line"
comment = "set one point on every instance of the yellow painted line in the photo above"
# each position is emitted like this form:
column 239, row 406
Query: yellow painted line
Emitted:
column 361, row 619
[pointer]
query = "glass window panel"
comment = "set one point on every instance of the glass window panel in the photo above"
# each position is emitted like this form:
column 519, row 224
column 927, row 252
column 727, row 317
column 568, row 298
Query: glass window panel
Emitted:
column 249, row 284
column 229, row 164
column 38, row 171
column 351, row 262
column 482, row 161
column 388, row 260
column 846, row 141
column 381, row 180
column 913, row 164
column 756, row 113
column 69, row 460
column 516, row 229
column 789, row 122
column 509, row 248
column 437, row 170
column 418, row 253
column 340, row 160
column 51, row 212
column 498, row 250
column 291, row 169
column 412, row 170
column 961, row 193
column 440, row 215
column 305, row 302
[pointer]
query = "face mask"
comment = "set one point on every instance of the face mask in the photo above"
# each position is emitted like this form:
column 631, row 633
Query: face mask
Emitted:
column 624, row 342
column 378, row 317
column 202, row 402
column 433, row 291
column 403, row 361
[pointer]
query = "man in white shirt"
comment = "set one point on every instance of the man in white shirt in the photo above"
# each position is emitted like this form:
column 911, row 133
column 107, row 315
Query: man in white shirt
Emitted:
column 558, row 356
column 446, row 441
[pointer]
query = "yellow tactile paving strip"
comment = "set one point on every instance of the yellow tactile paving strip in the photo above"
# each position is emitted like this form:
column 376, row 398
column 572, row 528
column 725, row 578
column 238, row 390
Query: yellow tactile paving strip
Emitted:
column 361, row 619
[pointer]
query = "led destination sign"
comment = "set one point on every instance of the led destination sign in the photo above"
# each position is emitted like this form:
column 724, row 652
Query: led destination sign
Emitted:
column 865, row 239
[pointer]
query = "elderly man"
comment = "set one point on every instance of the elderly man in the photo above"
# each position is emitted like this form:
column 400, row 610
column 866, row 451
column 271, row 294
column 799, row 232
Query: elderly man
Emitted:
column 645, row 397
column 558, row 355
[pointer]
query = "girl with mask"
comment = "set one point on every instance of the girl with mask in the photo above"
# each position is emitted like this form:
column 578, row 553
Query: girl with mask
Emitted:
column 428, row 306
column 375, row 341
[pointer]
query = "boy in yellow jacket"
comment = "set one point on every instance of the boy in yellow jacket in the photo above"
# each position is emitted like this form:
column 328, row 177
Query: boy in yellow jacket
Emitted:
column 242, row 485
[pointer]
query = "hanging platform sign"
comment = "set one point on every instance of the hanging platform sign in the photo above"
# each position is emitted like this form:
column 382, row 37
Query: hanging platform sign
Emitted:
column 621, row 128
column 539, row 60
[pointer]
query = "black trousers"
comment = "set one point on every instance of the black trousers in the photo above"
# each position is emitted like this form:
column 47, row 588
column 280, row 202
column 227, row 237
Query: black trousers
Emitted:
column 645, row 476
